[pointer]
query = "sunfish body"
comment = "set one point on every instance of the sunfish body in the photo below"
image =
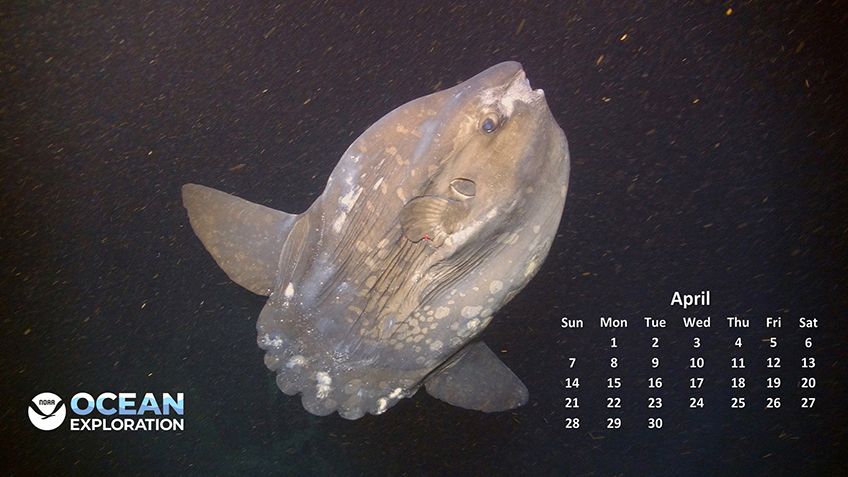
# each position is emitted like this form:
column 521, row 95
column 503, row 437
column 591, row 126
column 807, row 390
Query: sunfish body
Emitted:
column 432, row 220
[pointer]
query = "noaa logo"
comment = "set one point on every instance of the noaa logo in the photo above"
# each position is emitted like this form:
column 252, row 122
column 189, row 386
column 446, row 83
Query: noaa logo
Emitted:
column 47, row 411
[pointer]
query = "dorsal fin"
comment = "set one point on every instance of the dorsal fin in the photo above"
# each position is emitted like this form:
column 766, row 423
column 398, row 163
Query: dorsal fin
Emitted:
column 244, row 238
column 292, row 250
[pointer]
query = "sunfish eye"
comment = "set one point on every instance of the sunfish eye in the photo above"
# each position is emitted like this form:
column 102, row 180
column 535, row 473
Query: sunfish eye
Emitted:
column 490, row 123
column 464, row 187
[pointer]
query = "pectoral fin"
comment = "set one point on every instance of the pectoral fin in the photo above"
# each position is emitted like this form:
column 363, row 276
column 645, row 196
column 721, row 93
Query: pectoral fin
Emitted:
column 432, row 218
column 477, row 379
column 246, row 239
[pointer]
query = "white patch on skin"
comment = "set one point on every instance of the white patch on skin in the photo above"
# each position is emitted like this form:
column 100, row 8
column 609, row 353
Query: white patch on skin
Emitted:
column 518, row 90
column 442, row 312
column 536, row 229
column 377, row 184
column 469, row 312
column 339, row 222
column 289, row 293
column 513, row 239
column 531, row 268
column 495, row 286
column 436, row 345
column 275, row 343
column 382, row 404
column 324, row 381
column 492, row 214
column 463, row 235
column 348, row 200
column 296, row 361
column 401, row 195
column 469, row 329
column 395, row 393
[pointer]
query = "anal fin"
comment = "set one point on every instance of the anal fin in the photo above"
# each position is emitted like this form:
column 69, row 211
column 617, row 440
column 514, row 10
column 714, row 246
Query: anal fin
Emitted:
column 477, row 379
column 244, row 238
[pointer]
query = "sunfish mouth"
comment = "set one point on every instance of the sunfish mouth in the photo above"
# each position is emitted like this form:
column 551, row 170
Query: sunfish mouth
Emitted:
column 516, row 89
column 519, row 88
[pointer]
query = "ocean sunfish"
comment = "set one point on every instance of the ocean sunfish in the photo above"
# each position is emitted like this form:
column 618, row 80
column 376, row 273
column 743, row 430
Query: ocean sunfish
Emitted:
column 433, row 219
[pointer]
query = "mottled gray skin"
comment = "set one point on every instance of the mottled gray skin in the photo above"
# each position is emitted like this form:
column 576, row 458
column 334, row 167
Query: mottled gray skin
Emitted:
column 433, row 219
